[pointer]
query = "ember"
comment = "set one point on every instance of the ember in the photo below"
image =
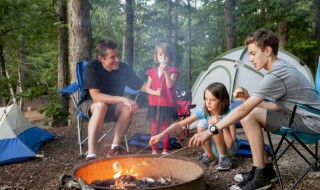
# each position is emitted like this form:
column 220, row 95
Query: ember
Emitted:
column 131, row 182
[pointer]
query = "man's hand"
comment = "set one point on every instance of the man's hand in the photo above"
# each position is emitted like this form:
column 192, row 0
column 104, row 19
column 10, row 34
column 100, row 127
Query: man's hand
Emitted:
column 199, row 138
column 133, row 106
column 155, row 139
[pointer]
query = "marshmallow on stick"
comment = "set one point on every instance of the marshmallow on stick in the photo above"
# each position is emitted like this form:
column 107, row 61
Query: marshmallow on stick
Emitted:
column 239, row 92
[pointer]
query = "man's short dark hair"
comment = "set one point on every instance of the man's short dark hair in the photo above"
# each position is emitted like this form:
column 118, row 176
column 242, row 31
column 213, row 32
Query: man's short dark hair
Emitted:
column 103, row 45
column 263, row 38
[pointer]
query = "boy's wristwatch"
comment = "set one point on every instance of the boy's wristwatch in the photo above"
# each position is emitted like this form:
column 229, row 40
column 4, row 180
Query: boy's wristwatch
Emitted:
column 214, row 129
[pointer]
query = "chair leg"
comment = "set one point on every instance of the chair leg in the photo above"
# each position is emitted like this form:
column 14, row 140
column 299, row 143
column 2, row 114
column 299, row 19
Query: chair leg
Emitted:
column 79, row 128
column 275, row 160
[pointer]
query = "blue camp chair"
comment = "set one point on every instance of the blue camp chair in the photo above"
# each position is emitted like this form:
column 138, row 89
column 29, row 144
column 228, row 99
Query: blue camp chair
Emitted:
column 75, row 91
column 291, row 136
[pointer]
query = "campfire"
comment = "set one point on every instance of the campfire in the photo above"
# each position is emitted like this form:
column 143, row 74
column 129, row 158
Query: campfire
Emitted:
column 142, row 172
column 130, row 180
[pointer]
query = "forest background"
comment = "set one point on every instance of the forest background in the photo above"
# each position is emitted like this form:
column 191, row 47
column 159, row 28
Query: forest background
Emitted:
column 42, row 40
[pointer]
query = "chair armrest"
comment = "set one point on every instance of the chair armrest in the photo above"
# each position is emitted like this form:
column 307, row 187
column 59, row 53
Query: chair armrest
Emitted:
column 70, row 89
column 305, row 107
column 308, row 108
column 130, row 91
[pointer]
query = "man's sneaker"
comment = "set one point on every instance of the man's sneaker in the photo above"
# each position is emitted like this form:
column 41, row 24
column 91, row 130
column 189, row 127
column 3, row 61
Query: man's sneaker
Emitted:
column 260, row 180
column 224, row 164
column 205, row 159
column 244, row 176
column 116, row 151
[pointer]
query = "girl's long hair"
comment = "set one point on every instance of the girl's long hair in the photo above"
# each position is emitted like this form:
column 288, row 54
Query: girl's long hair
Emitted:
column 219, row 91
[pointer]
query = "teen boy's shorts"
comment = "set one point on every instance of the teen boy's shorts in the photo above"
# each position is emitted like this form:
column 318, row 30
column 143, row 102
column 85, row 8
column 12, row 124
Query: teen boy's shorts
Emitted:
column 276, row 119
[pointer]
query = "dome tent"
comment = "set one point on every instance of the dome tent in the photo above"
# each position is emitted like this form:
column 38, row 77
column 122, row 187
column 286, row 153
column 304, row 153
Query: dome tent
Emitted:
column 19, row 139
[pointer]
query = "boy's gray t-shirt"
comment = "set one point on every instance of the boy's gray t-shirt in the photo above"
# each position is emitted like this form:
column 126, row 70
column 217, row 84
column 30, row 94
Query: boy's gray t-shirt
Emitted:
column 285, row 85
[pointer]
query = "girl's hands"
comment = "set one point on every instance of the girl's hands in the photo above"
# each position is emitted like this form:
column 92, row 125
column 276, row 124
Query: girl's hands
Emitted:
column 158, row 92
column 163, row 67
column 155, row 139
column 214, row 119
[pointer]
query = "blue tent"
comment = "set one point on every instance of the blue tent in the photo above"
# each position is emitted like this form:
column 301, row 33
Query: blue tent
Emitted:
column 19, row 139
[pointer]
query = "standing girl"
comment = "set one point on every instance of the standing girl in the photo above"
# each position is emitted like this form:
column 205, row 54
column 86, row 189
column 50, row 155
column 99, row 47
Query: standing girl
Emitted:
column 162, row 84
column 217, row 104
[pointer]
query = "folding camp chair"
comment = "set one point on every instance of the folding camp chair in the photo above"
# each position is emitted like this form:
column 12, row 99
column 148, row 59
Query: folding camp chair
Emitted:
column 75, row 90
column 291, row 136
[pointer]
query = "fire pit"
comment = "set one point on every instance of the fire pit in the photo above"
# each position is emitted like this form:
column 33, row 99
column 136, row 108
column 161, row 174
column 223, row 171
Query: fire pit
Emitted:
column 189, row 172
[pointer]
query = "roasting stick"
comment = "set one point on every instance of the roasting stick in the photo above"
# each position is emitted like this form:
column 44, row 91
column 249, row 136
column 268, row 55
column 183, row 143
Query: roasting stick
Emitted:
column 117, row 166
column 156, row 159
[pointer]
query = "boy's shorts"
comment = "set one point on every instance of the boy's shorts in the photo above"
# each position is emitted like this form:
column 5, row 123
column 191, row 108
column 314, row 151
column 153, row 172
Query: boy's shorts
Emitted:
column 275, row 120
column 109, row 117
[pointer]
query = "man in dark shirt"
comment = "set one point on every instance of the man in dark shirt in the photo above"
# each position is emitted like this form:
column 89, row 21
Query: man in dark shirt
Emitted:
column 103, row 100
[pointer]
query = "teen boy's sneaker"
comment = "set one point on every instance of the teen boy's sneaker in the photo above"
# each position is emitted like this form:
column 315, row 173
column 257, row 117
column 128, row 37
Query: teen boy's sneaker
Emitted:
column 116, row 151
column 205, row 159
column 260, row 180
column 244, row 176
column 224, row 164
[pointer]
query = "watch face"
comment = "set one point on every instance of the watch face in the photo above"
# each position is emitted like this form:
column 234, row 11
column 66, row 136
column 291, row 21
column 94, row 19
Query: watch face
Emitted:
column 212, row 128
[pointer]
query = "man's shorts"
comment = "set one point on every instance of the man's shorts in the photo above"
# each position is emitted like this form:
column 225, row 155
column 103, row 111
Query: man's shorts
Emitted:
column 275, row 120
column 110, row 115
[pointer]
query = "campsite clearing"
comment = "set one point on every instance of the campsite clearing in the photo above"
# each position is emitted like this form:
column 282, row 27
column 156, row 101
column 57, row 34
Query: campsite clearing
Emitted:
column 62, row 155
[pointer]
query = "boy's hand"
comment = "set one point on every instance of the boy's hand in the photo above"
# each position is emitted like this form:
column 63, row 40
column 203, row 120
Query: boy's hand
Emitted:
column 241, row 93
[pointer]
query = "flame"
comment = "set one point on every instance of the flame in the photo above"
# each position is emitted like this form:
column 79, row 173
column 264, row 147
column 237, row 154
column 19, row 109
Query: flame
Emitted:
column 117, row 175
column 118, row 171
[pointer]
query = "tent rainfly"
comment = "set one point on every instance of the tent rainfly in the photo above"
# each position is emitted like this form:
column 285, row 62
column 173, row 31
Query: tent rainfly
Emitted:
column 19, row 139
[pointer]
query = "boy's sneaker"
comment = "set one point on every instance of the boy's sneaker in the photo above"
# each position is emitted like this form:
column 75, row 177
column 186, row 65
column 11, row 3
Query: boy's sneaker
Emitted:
column 260, row 180
column 244, row 176
column 205, row 159
column 116, row 151
column 224, row 164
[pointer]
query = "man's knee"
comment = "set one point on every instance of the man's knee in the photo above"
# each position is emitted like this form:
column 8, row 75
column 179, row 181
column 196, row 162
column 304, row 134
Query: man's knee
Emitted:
column 99, row 108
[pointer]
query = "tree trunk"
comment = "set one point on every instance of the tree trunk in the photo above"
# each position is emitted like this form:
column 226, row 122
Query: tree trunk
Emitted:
column 229, row 24
column 80, row 37
column 61, row 11
column 129, row 43
column 189, row 45
column 22, row 61
column 169, row 26
column 282, row 33
column 175, row 33
column 3, row 100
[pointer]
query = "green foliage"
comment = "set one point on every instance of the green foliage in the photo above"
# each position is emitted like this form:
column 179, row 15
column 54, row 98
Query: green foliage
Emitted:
column 29, row 28
column 54, row 110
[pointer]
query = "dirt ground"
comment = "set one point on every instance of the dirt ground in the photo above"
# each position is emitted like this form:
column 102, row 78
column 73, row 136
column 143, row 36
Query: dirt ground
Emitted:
column 61, row 156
